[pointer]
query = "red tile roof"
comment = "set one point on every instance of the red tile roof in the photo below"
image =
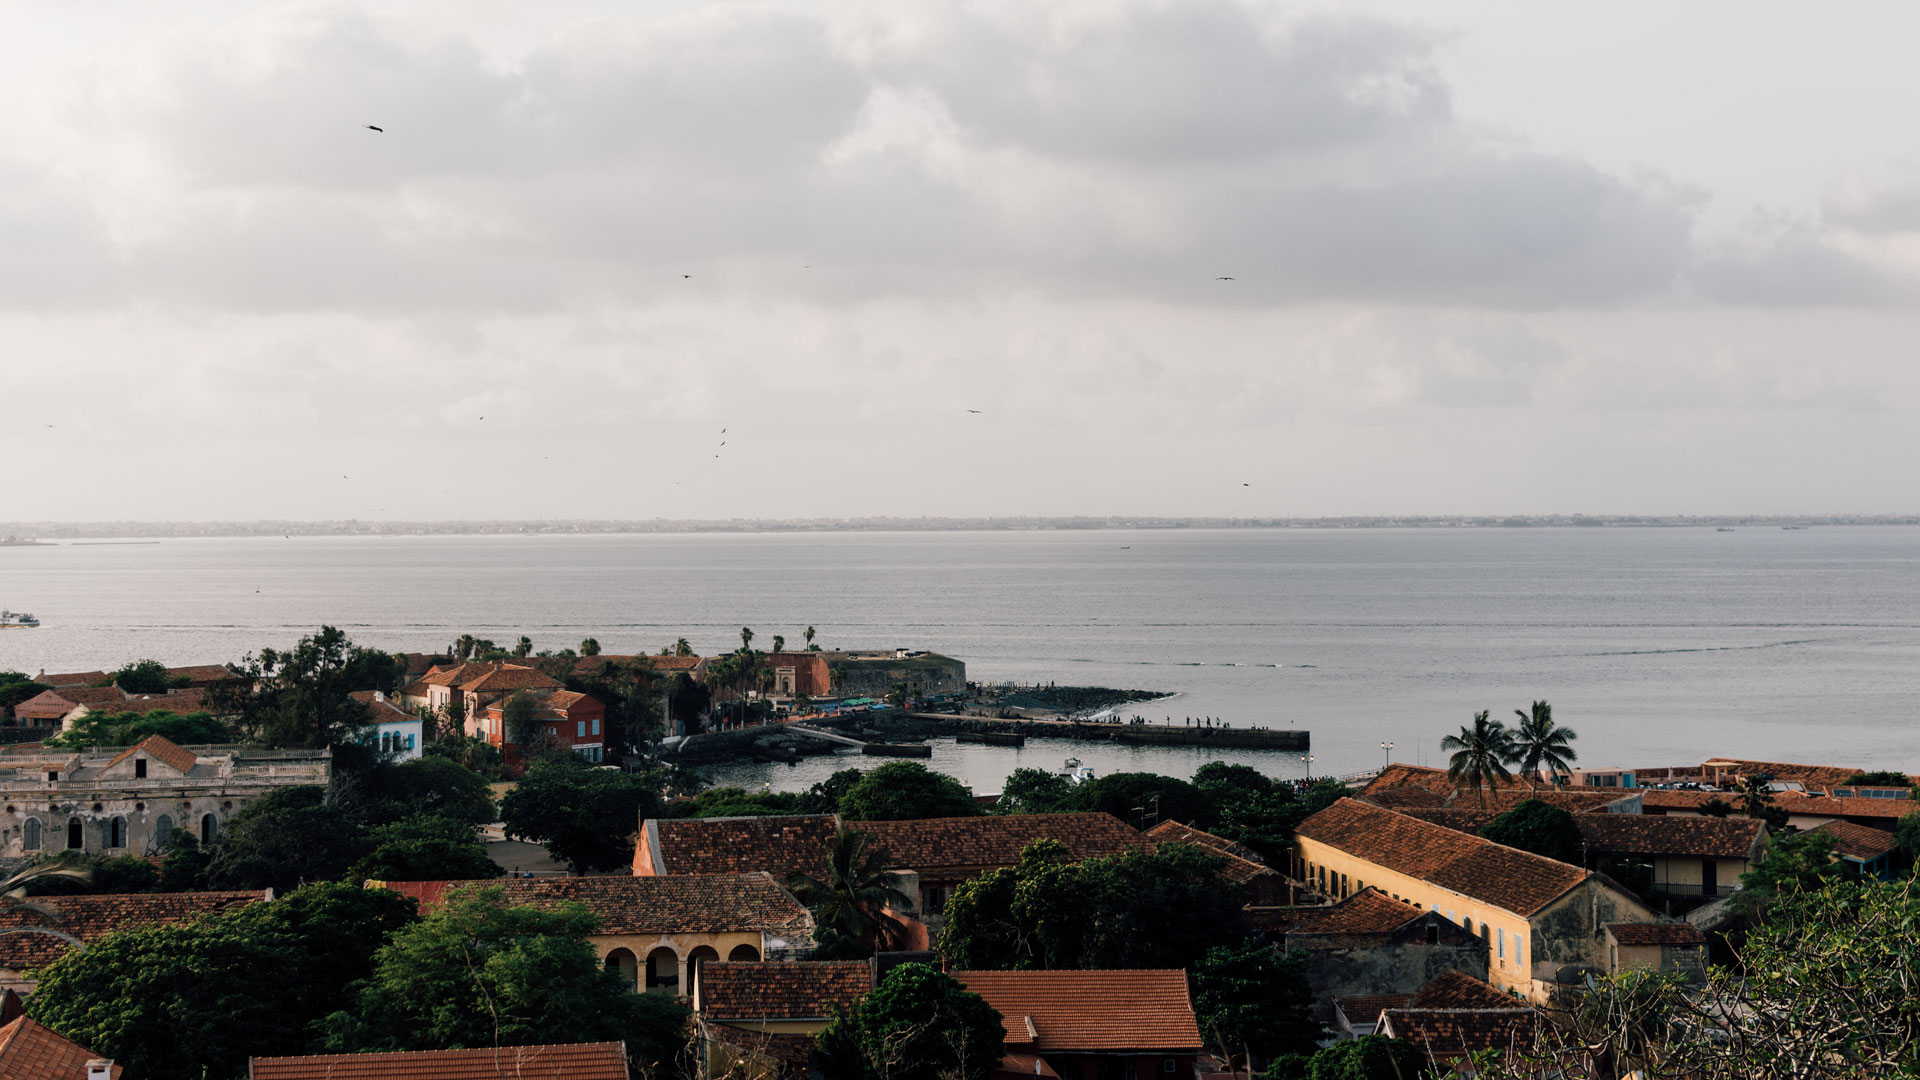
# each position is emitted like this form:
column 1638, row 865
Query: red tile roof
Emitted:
column 45, row 705
column 1366, row 1008
column 29, row 1051
column 790, row 1050
column 381, row 710
column 1659, row 834
column 1243, row 863
column 454, row 674
column 90, row 917
column 1674, row 933
column 1860, row 842
column 508, row 677
column 1450, row 1034
column 1459, row 990
column 1814, row 777
column 780, row 845
column 672, row 664
column 72, row 678
column 176, row 701
column 1080, row 1011
column 684, row 904
column 781, row 990
column 94, row 696
column 1472, row 866
column 201, row 674
column 974, row 843
column 1851, row 806
column 577, row 1061
column 1368, row 912
column 160, row 749
column 1663, row 799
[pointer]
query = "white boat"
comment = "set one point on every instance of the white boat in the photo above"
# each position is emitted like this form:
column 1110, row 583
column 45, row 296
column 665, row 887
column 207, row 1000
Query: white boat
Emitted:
column 1076, row 772
column 16, row 620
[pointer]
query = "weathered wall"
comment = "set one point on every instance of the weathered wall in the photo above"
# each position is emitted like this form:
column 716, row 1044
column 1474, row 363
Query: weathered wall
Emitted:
column 1395, row 968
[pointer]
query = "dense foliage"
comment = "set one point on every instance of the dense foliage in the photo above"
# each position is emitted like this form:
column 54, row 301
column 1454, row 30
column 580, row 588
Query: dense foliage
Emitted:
column 1145, row 909
column 1142, row 799
column 1369, row 1057
column 300, row 697
column 14, row 689
column 905, row 790
column 1032, row 791
column 583, row 815
column 425, row 847
column 147, row 677
column 918, row 1022
column 1537, row 827
column 125, row 729
column 1252, row 1000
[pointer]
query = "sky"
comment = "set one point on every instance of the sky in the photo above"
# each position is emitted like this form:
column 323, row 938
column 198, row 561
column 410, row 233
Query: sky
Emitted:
column 848, row 258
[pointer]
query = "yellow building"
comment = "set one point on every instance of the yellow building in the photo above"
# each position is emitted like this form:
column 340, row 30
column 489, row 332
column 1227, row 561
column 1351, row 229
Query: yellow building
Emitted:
column 1541, row 919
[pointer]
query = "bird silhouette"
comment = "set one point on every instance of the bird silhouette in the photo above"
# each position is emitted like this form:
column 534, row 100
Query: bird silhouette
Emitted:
column 375, row 127
column 687, row 277
column 973, row 410
column 483, row 418
column 1225, row 279
column 1246, row 485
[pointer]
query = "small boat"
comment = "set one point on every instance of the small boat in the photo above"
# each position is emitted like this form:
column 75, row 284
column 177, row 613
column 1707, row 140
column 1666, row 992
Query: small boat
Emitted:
column 1076, row 772
column 16, row 620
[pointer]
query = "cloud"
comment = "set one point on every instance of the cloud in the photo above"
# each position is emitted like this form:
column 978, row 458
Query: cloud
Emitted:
column 1796, row 267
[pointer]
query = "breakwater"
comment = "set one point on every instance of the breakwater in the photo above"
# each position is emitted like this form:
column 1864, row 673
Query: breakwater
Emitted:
column 1238, row 738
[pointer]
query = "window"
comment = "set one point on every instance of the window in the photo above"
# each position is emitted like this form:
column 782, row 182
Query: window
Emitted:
column 1517, row 961
column 76, row 833
column 162, row 829
column 209, row 828
column 117, row 833
column 139, row 768
column 581, row 730
column 1503, row 943
column 409, row 740
column 596, row 725
column 1169, row 1065
column 30, row 834
column 53, row 777
column 1433, row 934
column 1468, row 923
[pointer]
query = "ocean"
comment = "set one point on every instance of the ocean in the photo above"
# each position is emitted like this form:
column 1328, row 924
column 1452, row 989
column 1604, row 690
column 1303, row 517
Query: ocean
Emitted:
column 1659, row 646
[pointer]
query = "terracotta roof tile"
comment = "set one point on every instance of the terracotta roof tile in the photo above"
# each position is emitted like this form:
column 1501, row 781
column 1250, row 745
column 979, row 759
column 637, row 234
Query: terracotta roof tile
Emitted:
column 577, row 1061
column 29, row 1051
column 508, row 677
column 1674, row 933
column 201, row 674
column 159, row 748
column 1845, row 806
column 1459, row 990
column 777, row 990
column 1242, row 863
column 780, row 845
column 684, row 904
column 1368, row 912
column 416, row 688
column 90, row 917
column 790, row 1050
column 94, row 696
column 73, row 678
column 671, row 664
column 1366, row 1008
column 381, row 710
column 1517, row 881
column 1862, row 842
column 1665, row 799
column 1659, row 834
column 1814, row 777
column 176, row 701
column 1449, row 1034
column 1082, row 1011
column 973, row 843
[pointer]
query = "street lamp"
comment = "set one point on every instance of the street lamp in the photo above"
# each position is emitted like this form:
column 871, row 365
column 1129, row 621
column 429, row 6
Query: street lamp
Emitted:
column 1388, row 748
column 1308, row 758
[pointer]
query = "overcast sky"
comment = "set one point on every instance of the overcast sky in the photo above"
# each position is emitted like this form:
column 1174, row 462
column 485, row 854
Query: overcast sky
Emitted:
column 1486, row 257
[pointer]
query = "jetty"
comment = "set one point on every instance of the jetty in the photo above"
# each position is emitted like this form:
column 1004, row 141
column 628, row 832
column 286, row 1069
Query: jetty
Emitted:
column 1224, row 738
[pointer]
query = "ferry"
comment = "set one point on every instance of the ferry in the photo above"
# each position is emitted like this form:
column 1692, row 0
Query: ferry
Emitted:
column 16, row 620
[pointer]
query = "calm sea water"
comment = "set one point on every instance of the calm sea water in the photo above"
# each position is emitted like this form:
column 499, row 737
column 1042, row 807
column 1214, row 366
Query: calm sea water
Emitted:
column 1657, row 645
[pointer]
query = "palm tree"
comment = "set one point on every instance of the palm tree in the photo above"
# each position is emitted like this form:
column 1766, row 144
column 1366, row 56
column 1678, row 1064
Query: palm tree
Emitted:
column 779, row 643
column 1538, row 741
column 13, row 892
column 1756, row 793
column 463, row 648
column 746, row 639
column 681, row 648
column 808, row 634
column 590, row 647
column 858, row 891
column 1481, row 754
column 524, row 647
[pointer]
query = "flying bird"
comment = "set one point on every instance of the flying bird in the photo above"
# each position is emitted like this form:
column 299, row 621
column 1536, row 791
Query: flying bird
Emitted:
column 973, row 410
column 1225, row 279
column 1246, row 485
column 687, row 277
column 375, row 127
column 483, row 418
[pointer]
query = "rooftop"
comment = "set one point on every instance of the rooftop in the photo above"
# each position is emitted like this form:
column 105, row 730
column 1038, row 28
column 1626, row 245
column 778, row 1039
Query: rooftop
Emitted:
column 1861, row 843
column 1368, row 912
column 30, row 1051
column 780, row 845
column 1366, row 1008
column 161, row 749
column 685, row 904
column 1449, row 1034
column 1674, row 933
column 1660, row 834
column 1459, row 990
column 1472, row 866
column 503, row 677
column 90, row 917
column 1072, row 1011
column 789, row 990
column 576, row 1061
column 997, row 840
column 1243, row 864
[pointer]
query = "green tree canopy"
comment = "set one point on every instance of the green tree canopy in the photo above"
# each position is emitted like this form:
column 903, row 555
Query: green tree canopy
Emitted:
column 1794, row 863
column 1879, row 778
column 147, row 677
column 1142, row 799
column 287, row 837
column 919, row 1022
column 125, row 729
column 430, row 785
column 1537, row 827
column 1253, row 999
column 303, row 694
column 15, row 688
column 853, row 898
column 1145, row 909
column 1480, row 755
column 585, row 816
column 425, row 847
column 1369, row 1057
column 903, row 791
column 1032, row 791
column 480, row 971
column 170, row 1001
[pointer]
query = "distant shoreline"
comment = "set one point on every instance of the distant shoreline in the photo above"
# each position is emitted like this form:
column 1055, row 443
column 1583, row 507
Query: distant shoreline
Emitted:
column 63, row 531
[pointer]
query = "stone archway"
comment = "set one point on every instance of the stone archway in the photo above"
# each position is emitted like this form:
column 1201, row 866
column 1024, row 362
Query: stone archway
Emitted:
column 744, row 954
column 663, row 971
column 700, row 955
column 626, row 965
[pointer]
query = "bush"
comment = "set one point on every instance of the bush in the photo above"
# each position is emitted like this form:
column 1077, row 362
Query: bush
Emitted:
column 904, row 791
column 1534, row 826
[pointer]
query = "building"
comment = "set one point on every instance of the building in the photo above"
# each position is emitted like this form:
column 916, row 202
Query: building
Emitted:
column 931, row 856
column 72, row 678
column 1411, row 787
column 760, row 1018
column 398, row 734
column 201, row 676
column 112, row 801
column 562, row 718
column 1670, row 948
column 1371, row 944
column 1457, row 1015
column 1091, row 1025
column 32, row 1051
column 1538, row 919
column 53, row 708
column 875, row 674
column 575, row 1061
column 1260, row 885
column 35, row 940
column 472, row 686
column 657, row 932
column 1863, row 851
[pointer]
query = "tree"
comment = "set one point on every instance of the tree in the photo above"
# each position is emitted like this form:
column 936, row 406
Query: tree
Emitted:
column 919, row 1023
column 779, row 643
column 681, row 648
column 1544, row 830
column 302, row 696
column 1794, row 863
column 15, row 688
column 824, row 797
column 1878, row 778
column 523, row 648
column 1253, row 1002
column 903, row 791
column 424, row 848
column 126, row 729
column 188, row 999
column 1250, row 808
column 90, row 874
column 859, row 888
column 480, row 971
column 1756, row 798
column 1906, row 835
column 1142, row 799
column 1716, row 807
column 1369, row 1057
column 429, row 785
column 808, row 634
column 287, row 837
column 1481, row 754
column 521, row 716
column 1032, row 791
column 590, row 647
column 147, row 677
column 1538, row 741
column 746, row 639
column 584, row 816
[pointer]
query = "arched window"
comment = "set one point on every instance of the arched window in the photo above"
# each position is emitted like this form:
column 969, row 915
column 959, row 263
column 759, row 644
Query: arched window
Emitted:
column 744, row 953
column 117, row 833
column 623, row 962
column 663, row 971
column 30, row 834
column 162, row 829
column 76, row 833
column 696, row 960
column 209, row 828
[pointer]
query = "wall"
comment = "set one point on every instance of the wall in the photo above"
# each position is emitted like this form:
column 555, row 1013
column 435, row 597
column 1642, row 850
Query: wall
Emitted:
column 1400, row 966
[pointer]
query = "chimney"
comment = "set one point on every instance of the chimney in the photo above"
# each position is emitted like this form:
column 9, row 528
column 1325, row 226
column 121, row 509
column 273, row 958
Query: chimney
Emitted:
column 99, row 1069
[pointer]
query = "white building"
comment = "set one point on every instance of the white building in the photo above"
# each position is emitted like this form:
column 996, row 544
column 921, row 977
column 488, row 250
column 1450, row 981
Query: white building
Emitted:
column 397, row 733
